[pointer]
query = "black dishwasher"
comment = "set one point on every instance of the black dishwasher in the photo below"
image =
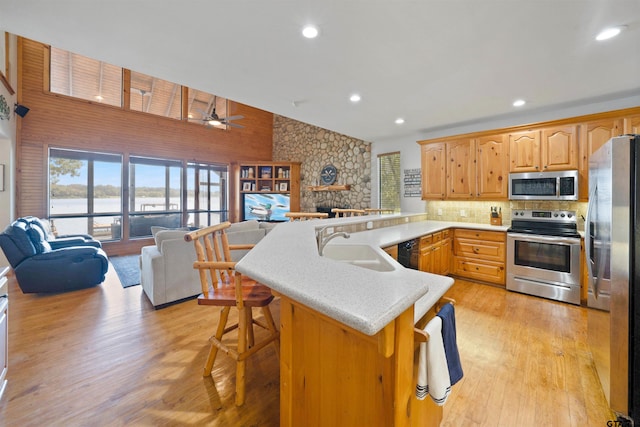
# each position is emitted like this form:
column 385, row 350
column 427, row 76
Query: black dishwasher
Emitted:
column 408, row 253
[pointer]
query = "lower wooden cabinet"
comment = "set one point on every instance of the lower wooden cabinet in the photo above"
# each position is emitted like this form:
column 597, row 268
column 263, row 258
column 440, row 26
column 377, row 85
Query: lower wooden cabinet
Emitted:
column 479, row 255
column 392, row 250
column 435, row 253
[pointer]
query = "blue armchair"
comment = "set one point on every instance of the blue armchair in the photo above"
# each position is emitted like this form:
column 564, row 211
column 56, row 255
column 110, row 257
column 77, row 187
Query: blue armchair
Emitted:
column 60, row 265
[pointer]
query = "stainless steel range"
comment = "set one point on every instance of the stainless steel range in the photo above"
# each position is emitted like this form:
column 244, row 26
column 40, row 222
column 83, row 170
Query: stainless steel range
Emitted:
column 543, row 254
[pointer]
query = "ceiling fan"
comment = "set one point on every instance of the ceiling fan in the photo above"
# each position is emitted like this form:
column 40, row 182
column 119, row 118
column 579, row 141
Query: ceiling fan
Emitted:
column 214, row 120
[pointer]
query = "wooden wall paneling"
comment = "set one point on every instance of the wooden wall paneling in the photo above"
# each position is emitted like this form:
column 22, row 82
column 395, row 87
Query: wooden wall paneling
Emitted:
column 66, row 122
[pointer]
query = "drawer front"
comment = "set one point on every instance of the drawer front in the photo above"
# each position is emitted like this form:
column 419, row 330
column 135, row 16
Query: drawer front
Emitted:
column 426, row 241
column 437, row 236
column 494, row 236
column 446, row 234
column 484, row 250
column 486, row 271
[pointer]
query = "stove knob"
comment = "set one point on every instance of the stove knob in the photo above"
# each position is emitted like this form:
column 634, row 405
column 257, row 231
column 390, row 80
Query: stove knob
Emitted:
column 569, row 215
column 562, row 215
column 556, row 215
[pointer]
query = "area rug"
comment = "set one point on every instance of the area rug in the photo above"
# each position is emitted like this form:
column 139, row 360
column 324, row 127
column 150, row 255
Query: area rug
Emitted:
column 128, row 269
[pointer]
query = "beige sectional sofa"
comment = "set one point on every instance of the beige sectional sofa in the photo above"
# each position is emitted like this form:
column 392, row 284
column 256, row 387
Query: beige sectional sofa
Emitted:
column 167, row 274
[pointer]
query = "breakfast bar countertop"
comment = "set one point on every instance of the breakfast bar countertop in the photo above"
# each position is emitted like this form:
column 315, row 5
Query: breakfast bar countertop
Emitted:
column 287, row 261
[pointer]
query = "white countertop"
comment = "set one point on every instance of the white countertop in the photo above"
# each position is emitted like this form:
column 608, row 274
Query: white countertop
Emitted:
column 287, row 261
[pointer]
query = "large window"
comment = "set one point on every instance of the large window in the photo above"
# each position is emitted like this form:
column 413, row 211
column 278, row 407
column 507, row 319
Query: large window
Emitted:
column 85, row 192
column 207, row 201
column 155, row 189
column 389, row 179
column 86, row 78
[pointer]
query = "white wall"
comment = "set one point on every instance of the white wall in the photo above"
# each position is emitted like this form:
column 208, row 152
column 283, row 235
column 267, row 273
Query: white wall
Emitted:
column 410, row 150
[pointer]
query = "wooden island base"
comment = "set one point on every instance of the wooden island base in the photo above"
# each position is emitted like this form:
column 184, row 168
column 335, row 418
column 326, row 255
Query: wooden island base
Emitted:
column 333, row 375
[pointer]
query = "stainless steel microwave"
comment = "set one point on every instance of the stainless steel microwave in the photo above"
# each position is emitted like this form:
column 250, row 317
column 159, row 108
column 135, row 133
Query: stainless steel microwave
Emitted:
column 561, row 185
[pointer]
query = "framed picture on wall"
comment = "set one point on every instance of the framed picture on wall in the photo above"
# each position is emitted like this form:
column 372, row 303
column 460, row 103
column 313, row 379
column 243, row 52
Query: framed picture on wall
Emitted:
column 283, row 186
column 246, row 186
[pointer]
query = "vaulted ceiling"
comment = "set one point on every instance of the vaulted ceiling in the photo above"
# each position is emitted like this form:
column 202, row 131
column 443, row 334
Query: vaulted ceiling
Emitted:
column 434, row 63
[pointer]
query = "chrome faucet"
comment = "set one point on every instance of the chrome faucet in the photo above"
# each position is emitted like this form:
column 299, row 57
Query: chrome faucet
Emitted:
column 322, row 241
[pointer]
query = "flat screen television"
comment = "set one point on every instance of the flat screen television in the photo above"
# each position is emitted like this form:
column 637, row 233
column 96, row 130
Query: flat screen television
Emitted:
column 265, row 206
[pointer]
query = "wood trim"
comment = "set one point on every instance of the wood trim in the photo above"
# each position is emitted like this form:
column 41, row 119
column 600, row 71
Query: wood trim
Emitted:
column 388, row 154
column 6, row 84
column 4, row 72
column 538, row 125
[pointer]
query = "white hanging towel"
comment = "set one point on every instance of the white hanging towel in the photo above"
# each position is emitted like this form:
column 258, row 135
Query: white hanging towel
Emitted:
column 433, row 373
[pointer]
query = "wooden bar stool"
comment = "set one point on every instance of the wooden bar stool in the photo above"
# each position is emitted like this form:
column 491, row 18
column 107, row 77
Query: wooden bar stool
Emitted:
column 224, row 287
column 347, row 212
column 303, row 216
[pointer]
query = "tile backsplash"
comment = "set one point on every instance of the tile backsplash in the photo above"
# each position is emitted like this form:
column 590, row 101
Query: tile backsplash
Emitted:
column 480, row 212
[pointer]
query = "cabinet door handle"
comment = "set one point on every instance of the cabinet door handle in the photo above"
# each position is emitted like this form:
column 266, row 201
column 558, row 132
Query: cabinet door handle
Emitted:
column 475, row 250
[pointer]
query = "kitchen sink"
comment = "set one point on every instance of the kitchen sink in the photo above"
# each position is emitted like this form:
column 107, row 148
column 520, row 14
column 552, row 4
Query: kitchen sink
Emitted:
column 359, row 255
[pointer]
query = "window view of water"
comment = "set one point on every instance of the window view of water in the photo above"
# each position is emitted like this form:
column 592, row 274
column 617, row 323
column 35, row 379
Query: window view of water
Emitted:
column 108, row 227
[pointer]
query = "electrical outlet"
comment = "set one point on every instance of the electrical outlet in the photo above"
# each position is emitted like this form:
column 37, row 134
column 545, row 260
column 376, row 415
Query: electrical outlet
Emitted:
column 369, row 225
column 463, row 213
column 439, row 212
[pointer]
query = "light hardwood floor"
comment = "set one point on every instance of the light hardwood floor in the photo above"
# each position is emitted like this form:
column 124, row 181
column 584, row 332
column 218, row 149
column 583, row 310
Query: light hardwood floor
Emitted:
column 103, row 356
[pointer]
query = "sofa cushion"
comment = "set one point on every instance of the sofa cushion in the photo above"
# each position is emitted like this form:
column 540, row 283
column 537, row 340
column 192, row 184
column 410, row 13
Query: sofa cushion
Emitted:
column 268, row 226
column 243, row 226
column 156, row 228
column 247, row 237
column 163, row 235
column 37, row 237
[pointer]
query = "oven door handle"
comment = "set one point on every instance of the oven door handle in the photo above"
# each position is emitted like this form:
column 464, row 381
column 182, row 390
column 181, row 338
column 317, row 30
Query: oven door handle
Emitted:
column 567, row 241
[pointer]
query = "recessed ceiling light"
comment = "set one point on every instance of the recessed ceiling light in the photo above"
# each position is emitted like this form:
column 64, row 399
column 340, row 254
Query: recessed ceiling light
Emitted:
column 399, row 121
column 610, row 32
column 519, row 102
column 355, row 98
column 310, row 32
column 99, row 98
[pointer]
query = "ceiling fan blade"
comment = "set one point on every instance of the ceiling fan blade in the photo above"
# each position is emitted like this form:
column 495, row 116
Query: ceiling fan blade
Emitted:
column 233, row 125
column 238, row 117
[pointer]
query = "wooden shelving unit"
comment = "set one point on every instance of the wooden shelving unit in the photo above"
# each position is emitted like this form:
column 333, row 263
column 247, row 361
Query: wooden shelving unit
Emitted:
column 266, row 177
column 329, row 187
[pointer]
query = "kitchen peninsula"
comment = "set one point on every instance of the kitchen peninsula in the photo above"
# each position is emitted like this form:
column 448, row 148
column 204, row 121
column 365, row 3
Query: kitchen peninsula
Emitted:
column 347, row 339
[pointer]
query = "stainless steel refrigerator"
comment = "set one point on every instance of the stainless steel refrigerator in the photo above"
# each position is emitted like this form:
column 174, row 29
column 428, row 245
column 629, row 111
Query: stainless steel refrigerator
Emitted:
column 612, row 240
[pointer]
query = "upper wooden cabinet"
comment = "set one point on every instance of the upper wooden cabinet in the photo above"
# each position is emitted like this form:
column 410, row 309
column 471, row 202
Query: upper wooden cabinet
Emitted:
column 466, row 169
column 559, row 148
column 492, row 166
column 461, row 169
column 476, row 166
column 433, row 171
column 593, row 135
column 632, row 124
column 524, row 149
column 550, row 149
